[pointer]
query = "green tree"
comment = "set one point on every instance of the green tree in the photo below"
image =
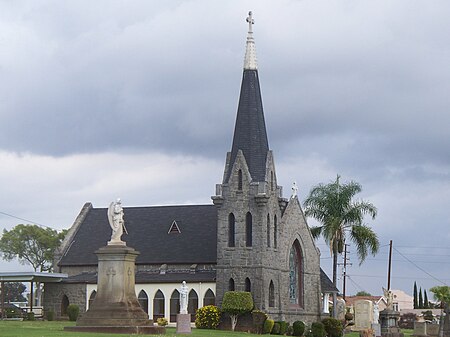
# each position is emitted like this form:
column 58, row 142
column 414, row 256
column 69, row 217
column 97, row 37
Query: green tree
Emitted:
column 420, row 298
column 442, row 295
column 416, row 303
column 33, row 245
column 363, row 293
column 426, row 304
column 13, row 291
column 333, row 206
column 236, row 303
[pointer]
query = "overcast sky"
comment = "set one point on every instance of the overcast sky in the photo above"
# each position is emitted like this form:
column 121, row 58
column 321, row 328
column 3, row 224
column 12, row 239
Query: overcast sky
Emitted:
column 137, row 99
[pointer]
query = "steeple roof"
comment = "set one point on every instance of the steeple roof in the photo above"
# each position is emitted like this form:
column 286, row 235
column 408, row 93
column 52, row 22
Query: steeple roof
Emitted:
column 250, row 133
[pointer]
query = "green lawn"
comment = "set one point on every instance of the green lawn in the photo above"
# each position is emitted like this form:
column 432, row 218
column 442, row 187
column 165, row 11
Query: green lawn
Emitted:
column 55, row 329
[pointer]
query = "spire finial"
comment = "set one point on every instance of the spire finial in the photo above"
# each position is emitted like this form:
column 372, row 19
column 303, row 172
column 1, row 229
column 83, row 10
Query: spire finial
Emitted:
column 250, row 51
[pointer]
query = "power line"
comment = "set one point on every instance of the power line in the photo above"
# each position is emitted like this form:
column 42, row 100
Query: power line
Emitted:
column 29, row 221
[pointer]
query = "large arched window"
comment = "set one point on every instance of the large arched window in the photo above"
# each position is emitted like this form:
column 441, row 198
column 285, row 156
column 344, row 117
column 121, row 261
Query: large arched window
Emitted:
column 240, row 180
column 231, row 285
column 158, row 305
column 295, row 275
column 209, row 298
column 268, row 230
column 143, row 300
column 248, row 285
column 174, row 305
column 231, row 230
column 248, row 229
column 271, row 295
column 192, row 304
column 275, row 231
column 92, row 297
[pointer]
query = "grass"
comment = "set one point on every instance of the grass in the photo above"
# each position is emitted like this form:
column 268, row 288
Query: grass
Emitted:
column 55, row 329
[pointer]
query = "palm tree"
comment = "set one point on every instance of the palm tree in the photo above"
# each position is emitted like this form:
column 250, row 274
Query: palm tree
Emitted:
column 442, row 294
column 333, row 206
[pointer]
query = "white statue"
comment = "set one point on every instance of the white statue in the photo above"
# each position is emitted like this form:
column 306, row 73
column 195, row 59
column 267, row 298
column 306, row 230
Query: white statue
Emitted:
column 115, row 217
column 183, row 298
column 376, row 313
column 389, row 298
column 294, row 190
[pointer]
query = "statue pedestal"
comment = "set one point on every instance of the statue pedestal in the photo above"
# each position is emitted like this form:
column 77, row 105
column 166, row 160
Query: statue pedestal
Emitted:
column 184, row 323
column 389, row 323
column 116, row 307
column 376, row 327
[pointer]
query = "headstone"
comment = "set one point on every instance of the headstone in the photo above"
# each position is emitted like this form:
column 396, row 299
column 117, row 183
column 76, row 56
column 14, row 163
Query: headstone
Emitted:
column 432, row 329
column 363, row 314
column 420, row 329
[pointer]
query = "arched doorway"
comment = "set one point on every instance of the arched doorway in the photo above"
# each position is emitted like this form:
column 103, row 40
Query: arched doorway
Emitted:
column 92, row 297
column 64, row 305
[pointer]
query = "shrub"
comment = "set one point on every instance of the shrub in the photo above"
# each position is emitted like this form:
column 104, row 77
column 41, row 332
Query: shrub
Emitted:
column 30, row 316
column 259, row 317
column 298, row 328
column 318, row 329
column 162, row 321
column 268, row 326
column 283, row 327
column 50, row 315
column 276, row 328
column 236, row 303
column 289, row 330
column 72, row 311
column 333, row 327
column 207, row 317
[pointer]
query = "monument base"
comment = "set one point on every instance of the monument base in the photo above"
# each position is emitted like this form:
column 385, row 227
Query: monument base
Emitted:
column 376, row 327
column 184, row 323
column 137, row 330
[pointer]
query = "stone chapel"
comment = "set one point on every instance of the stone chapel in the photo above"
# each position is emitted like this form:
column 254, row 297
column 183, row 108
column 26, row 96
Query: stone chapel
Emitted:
column 250, row 238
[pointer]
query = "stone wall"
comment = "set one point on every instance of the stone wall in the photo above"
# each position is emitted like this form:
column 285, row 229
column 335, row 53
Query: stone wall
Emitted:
column 54, row 294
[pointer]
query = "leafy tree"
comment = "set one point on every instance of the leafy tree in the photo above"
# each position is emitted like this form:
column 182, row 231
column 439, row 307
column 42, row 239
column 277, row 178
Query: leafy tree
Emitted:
column 14, row 291
column 236, row 303
column 333, row 206
column 416, row 303
column 363, row 293
column 420, row 298
column 442, row 294
column 33, row 245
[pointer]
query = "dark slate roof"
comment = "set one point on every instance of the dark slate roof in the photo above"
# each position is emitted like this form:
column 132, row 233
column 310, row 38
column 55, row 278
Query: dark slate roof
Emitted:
column 153, row 277
column 326, row 284
column 250, row 134
column 148, row 233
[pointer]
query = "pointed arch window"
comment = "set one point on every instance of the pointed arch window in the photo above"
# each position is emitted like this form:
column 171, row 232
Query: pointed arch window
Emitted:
column 192, row 304
column 296, row 275
column 143, row 300
column 240, row 180
column 275, row 231
column 231, row 285
column 158, row 305
column 268, row 230
column 248, row 229
column 209, row 298
column 64, row 304
column 231, row 230
column 174, row 305
column 248, row 285
column 271, row 295
column 92, row 297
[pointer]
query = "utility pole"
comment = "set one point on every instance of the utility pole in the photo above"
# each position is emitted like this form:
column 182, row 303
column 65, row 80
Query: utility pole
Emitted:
column 344, row 269
column 390, row 265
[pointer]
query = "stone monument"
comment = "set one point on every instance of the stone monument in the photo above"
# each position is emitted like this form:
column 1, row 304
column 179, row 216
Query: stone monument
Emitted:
column 183, row 318
column 363, row 315
column 115, row 308
column 389, row 317
column 376, row 327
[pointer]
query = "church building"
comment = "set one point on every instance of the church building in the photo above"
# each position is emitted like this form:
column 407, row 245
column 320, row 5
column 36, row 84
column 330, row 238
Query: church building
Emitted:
column 250, row 238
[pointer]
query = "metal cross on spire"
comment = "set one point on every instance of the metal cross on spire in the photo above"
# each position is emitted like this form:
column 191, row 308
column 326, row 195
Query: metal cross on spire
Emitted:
column 250, row 21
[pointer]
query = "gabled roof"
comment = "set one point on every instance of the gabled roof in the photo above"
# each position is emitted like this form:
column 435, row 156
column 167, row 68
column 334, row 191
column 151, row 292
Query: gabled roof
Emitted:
column 250, row 133
column 326, row 284
column 148, row 234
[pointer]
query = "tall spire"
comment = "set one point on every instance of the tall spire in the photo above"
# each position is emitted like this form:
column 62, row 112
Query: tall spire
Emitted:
column 250, row 134
column 250, row 50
